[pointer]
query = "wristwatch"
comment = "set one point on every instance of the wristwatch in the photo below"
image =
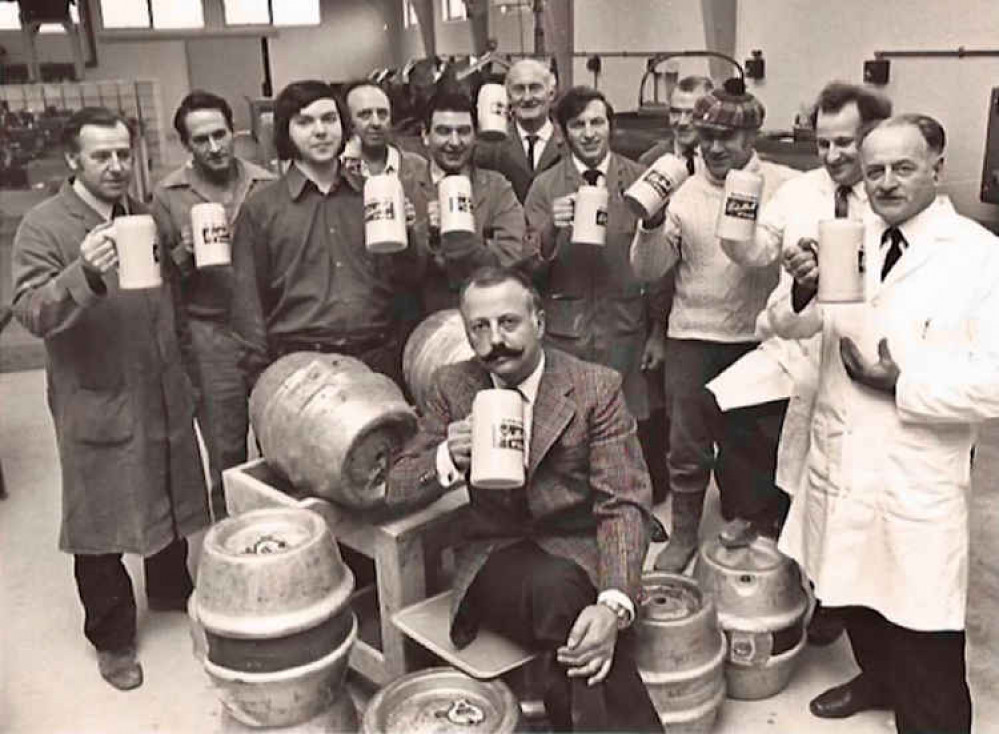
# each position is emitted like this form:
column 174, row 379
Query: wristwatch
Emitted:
column 620, row 611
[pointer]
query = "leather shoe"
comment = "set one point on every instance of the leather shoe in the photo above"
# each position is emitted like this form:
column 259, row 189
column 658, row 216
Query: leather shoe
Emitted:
column 825, row 628
column 120, row 668
column 848, row 699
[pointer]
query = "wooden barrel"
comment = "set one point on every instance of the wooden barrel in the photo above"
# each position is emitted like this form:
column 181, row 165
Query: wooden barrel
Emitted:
column 330, row 426
column 273, row 600
column 762, row 608
column 680, row 652
column 439, row 340
column 441, row 700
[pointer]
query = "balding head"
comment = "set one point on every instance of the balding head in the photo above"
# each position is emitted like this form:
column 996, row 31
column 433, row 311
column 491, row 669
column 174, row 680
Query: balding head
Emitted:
column 531, row 89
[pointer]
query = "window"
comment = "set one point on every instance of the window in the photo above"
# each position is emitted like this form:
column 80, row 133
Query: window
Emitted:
column 10, row 19
column 454, row 9
column 157, row 14
column 409, row 16
column 271, row 12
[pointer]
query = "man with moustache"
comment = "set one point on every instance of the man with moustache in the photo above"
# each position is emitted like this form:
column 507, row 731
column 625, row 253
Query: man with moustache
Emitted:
column 596, row 308
column 556, row 563
column 683, row 138
column 303, row 278
column 712, row 323
column 213, row 174
column 880, row 523
column 533, row 143
column 449, row 135
column 121, row 399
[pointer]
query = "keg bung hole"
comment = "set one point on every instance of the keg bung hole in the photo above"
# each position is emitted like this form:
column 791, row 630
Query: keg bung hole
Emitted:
column 746, row 578
column 265, row 545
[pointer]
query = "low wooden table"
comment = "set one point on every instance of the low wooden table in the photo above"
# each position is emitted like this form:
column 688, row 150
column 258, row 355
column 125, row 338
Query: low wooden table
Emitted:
column 401, row 549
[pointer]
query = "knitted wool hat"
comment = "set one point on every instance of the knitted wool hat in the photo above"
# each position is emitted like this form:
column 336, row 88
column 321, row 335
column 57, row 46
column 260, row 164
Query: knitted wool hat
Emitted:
column 729, row 108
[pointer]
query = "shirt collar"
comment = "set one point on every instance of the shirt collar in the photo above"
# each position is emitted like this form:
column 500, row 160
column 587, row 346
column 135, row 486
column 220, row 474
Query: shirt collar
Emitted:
column 101, row 207
column 297, row 178
column 857, row 189
column 604, row 166
column 923, row 226
column 530, row 384
column 543, row 135
column 437, row 173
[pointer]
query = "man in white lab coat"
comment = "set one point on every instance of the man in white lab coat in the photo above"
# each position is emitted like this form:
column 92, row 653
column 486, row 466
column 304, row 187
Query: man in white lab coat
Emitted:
column 880, row 523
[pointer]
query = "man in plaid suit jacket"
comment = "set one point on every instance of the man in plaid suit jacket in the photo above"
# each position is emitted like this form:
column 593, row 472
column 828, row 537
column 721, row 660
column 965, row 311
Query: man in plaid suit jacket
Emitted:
column 555, row 564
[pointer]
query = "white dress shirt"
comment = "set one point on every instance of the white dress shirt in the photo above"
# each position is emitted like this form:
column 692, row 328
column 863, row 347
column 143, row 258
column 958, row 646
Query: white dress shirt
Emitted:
column 543, row 135
column 603, row 168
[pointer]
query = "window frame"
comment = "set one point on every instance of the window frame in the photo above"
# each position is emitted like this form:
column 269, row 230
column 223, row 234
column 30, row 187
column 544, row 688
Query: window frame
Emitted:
column 446, row 11
column 270, row 18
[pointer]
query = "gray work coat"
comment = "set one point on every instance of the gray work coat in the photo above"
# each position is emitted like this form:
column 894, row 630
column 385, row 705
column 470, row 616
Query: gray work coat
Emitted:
column 120, row 397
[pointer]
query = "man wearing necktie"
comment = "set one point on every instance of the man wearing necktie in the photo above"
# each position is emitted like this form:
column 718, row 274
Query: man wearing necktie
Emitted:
column 682, row 140
column 533, row 144
column 596, row 308
column 121, row 380
column 834, row 190
column 555, row 564
column 880, row 521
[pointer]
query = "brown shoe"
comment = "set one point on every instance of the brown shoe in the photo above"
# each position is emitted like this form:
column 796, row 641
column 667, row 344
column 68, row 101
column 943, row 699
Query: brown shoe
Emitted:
column 120, row 668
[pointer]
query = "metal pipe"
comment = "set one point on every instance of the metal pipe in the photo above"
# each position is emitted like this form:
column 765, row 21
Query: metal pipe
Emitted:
column 959, row 53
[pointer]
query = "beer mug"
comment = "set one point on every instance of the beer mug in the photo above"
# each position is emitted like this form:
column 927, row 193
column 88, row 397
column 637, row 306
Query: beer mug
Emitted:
column 841, row 261
column 454, row 196
column 492, row 111
column 740, row 206
column 210, row 229
column 589, row 217
column 660, row 181
column 384, row 214
column 497, row 439
column 138, row 252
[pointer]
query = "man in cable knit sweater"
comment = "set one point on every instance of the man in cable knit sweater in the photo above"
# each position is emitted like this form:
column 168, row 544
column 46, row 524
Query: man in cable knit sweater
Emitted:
column 712, row 323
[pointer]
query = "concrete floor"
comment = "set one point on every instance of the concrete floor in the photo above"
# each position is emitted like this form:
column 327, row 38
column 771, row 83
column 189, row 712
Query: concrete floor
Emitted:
column 48, row 674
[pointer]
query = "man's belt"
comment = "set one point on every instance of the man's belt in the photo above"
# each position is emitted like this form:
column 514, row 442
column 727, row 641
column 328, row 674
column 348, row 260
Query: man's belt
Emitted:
column 350, row 346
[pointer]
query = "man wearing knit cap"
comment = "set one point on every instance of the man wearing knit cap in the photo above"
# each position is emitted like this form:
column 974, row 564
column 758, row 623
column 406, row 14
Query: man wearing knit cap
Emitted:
column 712, row 324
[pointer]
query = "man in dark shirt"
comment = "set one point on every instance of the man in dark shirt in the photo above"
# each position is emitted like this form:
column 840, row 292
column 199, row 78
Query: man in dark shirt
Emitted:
column 303, row 278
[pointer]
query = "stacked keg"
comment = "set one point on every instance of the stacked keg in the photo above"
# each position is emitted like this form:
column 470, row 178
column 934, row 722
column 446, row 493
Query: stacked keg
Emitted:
column 272, row 611
column 762, row 608
column 442, row 700
column 680, row 652
column 330, row 425
column 439, row 340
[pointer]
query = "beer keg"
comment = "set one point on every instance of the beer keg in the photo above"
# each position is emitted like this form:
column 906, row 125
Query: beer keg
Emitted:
column 680, row 652
column 438, row 340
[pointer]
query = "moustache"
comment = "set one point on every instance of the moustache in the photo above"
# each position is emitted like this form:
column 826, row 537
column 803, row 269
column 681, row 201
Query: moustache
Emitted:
column 501, row 351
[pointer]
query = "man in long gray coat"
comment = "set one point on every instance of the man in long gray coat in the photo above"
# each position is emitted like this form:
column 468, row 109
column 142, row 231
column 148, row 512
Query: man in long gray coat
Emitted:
column 121, row 401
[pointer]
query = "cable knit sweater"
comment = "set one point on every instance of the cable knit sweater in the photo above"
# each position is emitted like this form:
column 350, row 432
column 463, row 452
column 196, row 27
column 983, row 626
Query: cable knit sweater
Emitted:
column 716, row 299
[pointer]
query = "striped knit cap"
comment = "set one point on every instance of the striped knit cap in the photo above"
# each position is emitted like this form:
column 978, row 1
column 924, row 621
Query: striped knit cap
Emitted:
column 729, row 108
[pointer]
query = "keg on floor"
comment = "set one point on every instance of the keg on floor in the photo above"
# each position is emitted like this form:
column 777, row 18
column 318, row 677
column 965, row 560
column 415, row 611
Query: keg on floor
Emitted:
column 273, row 599
column 680, row 652
column 439, row 340
column 330, row 425
column 441, row 700
column 762, row 608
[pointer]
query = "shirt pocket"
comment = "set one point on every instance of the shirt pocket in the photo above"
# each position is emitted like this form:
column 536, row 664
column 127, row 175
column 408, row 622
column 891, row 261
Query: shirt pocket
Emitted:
column 99, row 417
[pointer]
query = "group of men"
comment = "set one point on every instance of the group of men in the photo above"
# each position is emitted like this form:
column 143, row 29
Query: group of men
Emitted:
column 874, row 440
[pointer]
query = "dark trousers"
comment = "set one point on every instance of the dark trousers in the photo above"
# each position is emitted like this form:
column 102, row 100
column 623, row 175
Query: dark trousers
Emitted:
column 106, row 591
column 533, row 598
column 223, row 414
column 921, row 674
column 653, row 434
column 745, row 458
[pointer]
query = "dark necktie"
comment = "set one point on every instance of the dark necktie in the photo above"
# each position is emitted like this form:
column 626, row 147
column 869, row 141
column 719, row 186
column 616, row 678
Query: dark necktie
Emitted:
column 842, row 202
column 688, row 156
column 898, row 244
column 532, row 141
column 592, row 176
column 118, row 210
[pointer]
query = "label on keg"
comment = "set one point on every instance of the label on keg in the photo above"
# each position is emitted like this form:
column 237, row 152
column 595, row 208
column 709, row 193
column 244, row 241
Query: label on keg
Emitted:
column 601, row 217
column 741, row 206
column 375, row 211
column 460, row 204
column 215, row 234
column 508, row 433
column 662, row 184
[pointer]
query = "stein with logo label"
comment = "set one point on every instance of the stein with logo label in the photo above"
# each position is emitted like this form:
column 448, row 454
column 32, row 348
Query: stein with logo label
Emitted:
column 454, row 201
column 841, row 261
column 492, row 111
column 210, row 229
column 647, row 195
column 384, row 214
column 497, row 439
column 138, row 252
column 589, row 216
column 740, row 206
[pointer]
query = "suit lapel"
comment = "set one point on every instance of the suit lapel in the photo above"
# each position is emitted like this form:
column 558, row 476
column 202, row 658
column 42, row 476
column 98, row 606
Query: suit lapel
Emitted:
column 552, row 411
column 552, row 152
